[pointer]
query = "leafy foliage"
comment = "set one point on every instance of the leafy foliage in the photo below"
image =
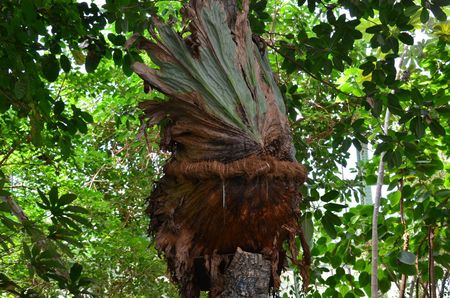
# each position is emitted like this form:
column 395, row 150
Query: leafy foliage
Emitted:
column 74, row 157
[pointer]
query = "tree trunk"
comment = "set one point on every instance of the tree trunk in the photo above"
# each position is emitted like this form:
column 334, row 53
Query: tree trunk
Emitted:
column 376, row 208
column 232, row 180
column 248, row 275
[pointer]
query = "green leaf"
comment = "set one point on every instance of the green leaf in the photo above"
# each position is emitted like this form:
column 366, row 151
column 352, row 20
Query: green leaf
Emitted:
column 48, row 254
column 394, row 197
column 337, row 63
column 65, row 63
column 407, row 258
column 263, row 15
column 416, row 96
column 308, row 229
column 367, row 67
column 92, row 60
column 443, row 193
column 79, row 57
column 26, row 250
column 44, row 198
column 384, row 284
column 117, row 57
column 311, row 5
column 50, row 67
column 438, row 13
column 371, row 179
column 4, row 192
column 76, row 209
column 126, row 64
column 20, row 88
column 417, row 127
column 357, row 144
column 75, row 272
column 424, row 15
column 329, row 227
column 436, row 128
column 61, row 279
column 66, row 199
column 364, row 279
column 58, row 107
column 69, row 222
column 333, row 218
column 406, row 38
column 79, row 218
column 52, row 263
column 9, row 223
column 395, row 159
column 394, row 105
column 85, row 281
column 112, row 38
column 4, row 207
column 53, row 195
column 87, row 117
column 329, row 196
column 349, row 295
column 378, row 76
column 36, row 127
column 375, row 29
column 334, row 207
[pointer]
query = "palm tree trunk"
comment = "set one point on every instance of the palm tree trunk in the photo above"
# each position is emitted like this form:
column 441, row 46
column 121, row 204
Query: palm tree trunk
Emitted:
column 232, row 180
column 248, row 275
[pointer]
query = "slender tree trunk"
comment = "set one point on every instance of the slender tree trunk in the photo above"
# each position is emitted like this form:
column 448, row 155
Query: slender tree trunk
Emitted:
column 376, row 208
column 377, row 198
column 432, row 278
column 404, row 278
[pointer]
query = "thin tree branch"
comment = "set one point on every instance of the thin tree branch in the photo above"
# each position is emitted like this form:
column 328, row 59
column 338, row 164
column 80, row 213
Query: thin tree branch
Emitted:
column 5, row 158
column 95, row 176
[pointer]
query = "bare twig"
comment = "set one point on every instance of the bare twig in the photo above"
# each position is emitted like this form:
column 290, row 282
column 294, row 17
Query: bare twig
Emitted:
column 5, row 158
column 95, row 176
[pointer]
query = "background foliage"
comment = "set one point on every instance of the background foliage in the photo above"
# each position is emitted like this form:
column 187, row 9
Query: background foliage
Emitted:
column 77, row 160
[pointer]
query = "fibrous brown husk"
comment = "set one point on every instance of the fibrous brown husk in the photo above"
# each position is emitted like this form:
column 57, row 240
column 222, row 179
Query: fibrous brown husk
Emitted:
column 250, row 167
column 232, row 180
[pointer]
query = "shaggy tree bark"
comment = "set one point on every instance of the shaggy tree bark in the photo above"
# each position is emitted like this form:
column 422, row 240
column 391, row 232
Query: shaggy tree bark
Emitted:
column 232, row 180
column 247, row 276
